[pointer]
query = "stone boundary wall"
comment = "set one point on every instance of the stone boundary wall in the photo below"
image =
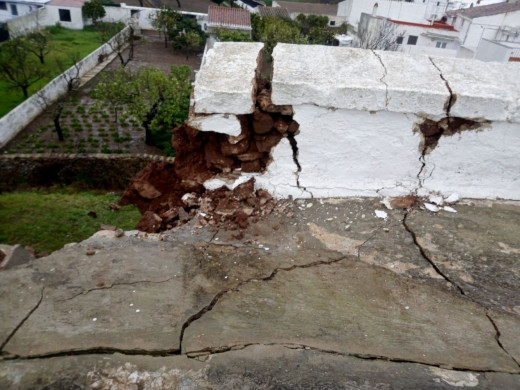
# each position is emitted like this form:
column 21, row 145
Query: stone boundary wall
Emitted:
column 371, row 123
column 110, row 172
column 19, row 117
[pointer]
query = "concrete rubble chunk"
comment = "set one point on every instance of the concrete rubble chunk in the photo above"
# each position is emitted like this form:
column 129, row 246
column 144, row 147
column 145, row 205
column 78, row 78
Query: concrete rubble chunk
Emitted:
column 344, row 78
column 218, row 123
column 481, row 91
column 226, row 82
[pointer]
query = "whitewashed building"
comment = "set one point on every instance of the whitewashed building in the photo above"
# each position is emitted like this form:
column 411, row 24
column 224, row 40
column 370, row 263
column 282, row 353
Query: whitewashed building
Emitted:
column 15, row 8
column 498, row 23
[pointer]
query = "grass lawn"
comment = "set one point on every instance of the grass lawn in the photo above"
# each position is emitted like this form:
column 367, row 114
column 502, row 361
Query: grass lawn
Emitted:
column 48, row 220
column 63, row 43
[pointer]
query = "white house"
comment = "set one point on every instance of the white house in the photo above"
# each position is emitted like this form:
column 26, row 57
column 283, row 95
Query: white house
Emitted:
column 15, row 8
column 496, row 22
column 435, row 38
column 414, row 11
column 67, row 13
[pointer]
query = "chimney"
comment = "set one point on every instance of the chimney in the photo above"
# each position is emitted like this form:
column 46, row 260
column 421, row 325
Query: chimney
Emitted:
column 374, row 10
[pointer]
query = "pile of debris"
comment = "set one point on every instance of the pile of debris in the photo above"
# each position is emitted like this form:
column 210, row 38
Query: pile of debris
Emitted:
column 168, row 194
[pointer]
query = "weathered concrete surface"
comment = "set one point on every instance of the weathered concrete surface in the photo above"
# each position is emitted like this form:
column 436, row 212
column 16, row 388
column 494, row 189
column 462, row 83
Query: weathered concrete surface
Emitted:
column 219, row 123
column 226, row 83
column 321, row 294
column 297, row 80
column 254, row 367
column 477, row 248
column 481, row 93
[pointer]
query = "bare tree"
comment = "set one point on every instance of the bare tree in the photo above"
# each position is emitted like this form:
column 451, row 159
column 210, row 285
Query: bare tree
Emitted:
column 16, row 69
column 71, row 77
column 109, row 33
column 378, row 34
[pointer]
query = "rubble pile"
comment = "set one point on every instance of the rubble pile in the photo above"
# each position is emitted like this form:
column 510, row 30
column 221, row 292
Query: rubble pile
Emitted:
column 168, row 194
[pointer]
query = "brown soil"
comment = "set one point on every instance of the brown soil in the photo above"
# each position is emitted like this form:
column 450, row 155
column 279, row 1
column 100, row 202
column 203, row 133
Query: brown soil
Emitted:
column 91, row 130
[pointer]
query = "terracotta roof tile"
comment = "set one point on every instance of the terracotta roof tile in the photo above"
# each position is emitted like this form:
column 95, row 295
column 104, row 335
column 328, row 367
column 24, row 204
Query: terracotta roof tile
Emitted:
column 274, row 12
column 310, row 8
column 68, row 3
column 230, row 17
column 486, row 10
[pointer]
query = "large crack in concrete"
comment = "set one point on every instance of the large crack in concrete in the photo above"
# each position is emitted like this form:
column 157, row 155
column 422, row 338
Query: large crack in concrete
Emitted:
column 217, row 297
column 497, row 338
column 382, row 79
column 452, row 98
column 20, row 324
column 205, row 354
column 458, row 287
column 427, row 258
column 85, row 292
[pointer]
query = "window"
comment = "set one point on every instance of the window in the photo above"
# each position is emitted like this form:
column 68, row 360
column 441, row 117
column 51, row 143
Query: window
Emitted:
column 412, row 40
column 332, row 23
column 399, row 40
column 441, row 45
column 64, row 15
column 3, row 5
column 14, row 10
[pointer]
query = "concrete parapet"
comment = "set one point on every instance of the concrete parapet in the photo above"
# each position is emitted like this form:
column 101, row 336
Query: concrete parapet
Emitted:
column 377, row 123
column 226, row 82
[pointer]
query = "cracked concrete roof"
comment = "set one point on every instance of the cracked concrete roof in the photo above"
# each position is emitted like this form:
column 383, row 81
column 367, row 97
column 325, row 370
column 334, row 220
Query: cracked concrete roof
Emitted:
column 321, row 292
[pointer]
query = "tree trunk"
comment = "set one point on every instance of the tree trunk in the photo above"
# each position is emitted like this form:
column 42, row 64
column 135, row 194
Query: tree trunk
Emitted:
column 141, row 3
column 147, row 122
column 179, row 3
column 42, row 61
column 57, row 124
column 24, row 90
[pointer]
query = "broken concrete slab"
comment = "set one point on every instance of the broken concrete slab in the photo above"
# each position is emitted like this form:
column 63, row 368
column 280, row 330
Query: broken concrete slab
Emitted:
column 479, row 93
column 424, row 91
column 477, row 249
column 346, row 78
column 218, row 123
column 254, row 367
column 134, row 295
column 226, row 82
column 339, row 307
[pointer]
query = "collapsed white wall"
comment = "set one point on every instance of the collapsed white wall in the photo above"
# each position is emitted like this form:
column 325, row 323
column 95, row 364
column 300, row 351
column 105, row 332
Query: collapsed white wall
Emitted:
column 360, row 113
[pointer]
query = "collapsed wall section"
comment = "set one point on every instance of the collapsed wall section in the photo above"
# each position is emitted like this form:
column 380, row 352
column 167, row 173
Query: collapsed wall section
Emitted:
column 333, row 122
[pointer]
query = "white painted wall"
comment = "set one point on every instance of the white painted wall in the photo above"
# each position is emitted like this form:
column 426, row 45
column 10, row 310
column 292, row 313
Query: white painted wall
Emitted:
column 493, row 51
column 19, row 117
column 359, row 114
column 399, row 10
column 23, row 9
column 76, row 22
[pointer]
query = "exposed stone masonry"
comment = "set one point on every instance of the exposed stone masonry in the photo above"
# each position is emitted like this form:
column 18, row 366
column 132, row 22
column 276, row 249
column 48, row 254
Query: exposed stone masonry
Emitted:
column 169, row 194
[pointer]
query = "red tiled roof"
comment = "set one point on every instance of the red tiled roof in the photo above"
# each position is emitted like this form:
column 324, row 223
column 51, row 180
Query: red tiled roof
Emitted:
column 231, row 17
column 486, row 10
column 437, row 25
column 310, row 8
column 274, row 12
column 68, row 3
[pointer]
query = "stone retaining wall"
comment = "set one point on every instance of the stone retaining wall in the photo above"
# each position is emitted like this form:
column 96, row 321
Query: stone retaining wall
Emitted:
column 110, row 172
column 371, row 123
